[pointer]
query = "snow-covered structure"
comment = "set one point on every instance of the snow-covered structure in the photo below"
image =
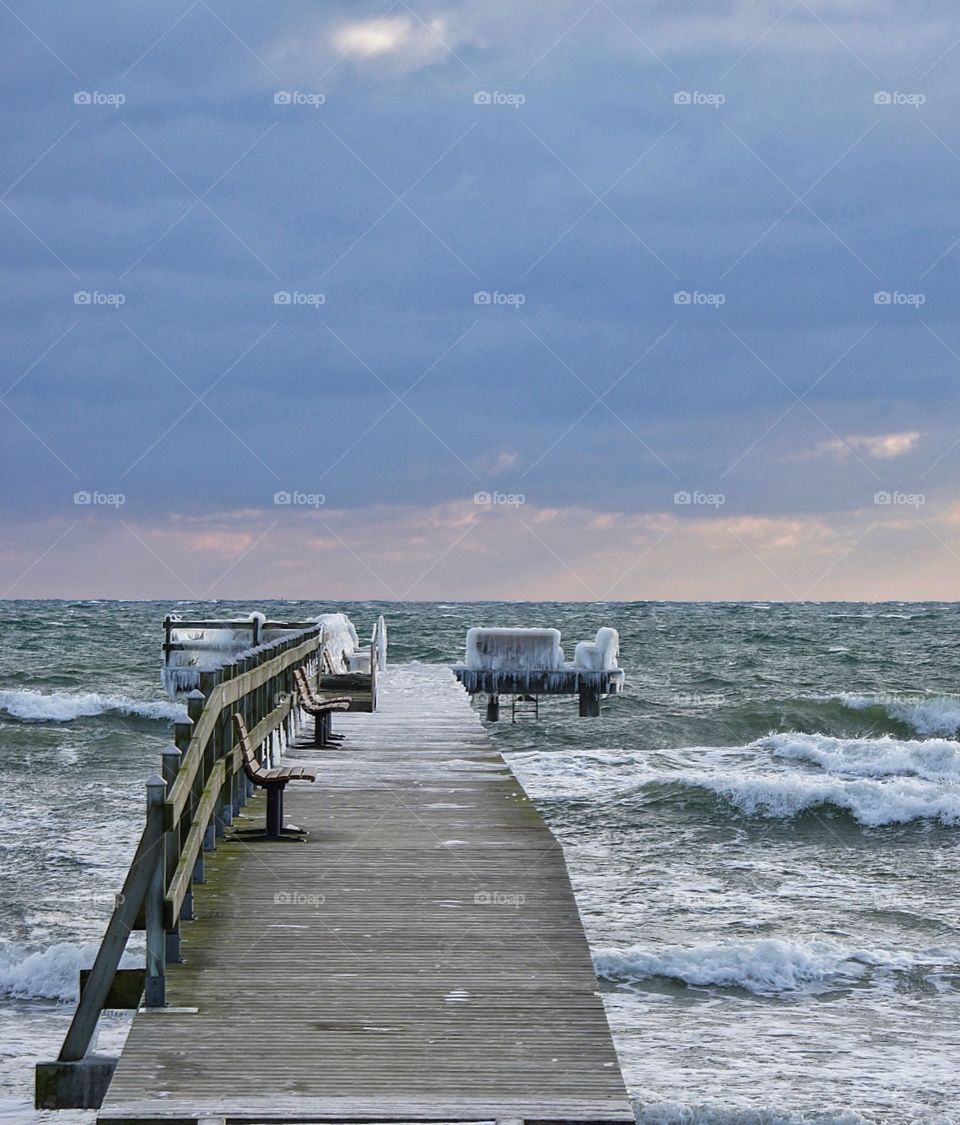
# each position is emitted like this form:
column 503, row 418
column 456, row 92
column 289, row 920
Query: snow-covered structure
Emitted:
column 600, row 655
column 191, row 646
column 514, row 649
column 531, row 662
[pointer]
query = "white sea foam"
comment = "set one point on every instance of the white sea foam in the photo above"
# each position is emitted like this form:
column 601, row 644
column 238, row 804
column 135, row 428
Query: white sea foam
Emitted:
column 683, row 1113
column 64, row 706
column 767, row 967
column 934, row 759
column 873, row 802
column 928, row 717
column 46, row 974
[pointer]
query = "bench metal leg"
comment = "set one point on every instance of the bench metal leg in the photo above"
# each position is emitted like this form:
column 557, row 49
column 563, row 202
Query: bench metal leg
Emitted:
column 275, row 829
column 323, row 734
column 274, row 811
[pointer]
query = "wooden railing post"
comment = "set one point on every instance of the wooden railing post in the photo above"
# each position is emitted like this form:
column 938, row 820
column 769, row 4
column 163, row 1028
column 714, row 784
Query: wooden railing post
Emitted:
column 231, row 789
column 182, row 733
column 295, row 715
column 244, row 706
column 195, row 702
column 154, row 995
column 171, row 758
column 209, row 678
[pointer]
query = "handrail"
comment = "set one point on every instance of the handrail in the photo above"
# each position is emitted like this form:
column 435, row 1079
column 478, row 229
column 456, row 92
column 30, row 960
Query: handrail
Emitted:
column 178, row 886
column 378, row 657
column 221, row 696
column 203, row 787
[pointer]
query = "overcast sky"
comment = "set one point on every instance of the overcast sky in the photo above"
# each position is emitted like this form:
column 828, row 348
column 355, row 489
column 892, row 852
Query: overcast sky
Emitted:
column 480, row 299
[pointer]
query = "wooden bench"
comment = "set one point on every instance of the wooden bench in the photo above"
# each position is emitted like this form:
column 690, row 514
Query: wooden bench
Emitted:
column 320, row 709
column 274, row 781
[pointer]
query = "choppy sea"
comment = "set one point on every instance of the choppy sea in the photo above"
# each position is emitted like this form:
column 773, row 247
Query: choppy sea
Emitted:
column 762, row 832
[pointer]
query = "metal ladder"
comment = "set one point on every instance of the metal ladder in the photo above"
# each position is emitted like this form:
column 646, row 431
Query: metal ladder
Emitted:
column 525, row 708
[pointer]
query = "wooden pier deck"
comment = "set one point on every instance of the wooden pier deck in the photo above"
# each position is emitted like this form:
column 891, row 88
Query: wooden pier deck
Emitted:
column 419, row 958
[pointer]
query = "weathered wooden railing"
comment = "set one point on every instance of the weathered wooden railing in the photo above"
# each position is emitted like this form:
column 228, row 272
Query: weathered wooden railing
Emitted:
column 201, row 788
column 378, row 657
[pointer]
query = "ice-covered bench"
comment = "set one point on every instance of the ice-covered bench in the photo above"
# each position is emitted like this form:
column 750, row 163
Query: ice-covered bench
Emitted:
column 600, row 655
column 495, row 650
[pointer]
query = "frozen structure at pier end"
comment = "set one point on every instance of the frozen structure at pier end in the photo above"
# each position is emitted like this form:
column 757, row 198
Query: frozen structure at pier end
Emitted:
column 528, row 663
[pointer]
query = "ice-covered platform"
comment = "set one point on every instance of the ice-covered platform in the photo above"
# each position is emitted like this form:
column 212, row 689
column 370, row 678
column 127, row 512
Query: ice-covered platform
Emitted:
column 530, row 662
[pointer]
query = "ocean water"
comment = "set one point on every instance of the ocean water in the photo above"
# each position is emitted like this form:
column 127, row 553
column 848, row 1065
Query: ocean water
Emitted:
column 762, row 832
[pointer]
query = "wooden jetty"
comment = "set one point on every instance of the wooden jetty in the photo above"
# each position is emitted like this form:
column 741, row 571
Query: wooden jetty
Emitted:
column 419, row 958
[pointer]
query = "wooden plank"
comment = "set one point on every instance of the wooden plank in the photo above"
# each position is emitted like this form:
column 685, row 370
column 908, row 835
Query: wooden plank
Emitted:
column 419, row 958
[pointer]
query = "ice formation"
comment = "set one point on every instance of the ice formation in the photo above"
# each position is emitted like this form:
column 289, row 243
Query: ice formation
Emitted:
column 204, row 648
column 599, row 655
column 498, row 650
column 539, row 650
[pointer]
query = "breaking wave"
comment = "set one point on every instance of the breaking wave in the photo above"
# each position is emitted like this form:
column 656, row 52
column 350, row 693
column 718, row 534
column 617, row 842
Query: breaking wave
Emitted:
column 45, row 974
column 938, row 715
column 872, row 802
column 64, row 707
column 767, row 967
column 934, row 759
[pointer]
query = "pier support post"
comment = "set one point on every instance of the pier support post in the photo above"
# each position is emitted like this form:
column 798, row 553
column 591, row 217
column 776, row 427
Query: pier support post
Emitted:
column 79, row 1084
column 589, row 704
column 154, row 992
column 493, row 708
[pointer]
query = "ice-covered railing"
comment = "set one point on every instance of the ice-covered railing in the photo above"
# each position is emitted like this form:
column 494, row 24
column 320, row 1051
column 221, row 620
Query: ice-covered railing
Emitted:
column 341, row 643
column 191, row 646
